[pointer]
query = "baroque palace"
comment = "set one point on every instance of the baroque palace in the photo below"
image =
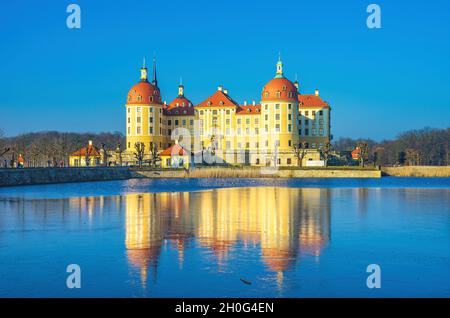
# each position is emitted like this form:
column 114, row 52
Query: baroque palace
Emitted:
column 220, row 130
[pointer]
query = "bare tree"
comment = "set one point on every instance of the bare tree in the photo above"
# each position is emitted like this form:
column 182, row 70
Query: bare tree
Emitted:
column 363, row 155
column 139, row 152
column 326, row 151
column 300, row 152
column 154, row 155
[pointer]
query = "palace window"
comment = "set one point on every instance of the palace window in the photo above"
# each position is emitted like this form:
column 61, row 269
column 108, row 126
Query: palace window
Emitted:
column 227, row 121
column 129, row 130
column 228, row 112
column 277, row 106
column 306, row 113
column 266, row 117
column 290, row 143
column 247, row 121
column 289, row 106
column 247, row 131
column 201, row 112
column 306, row 132
column 151, row 119
column 278, row 94
column 214, row 112
column 289, row 117
column 138, row 120
column 289, row 128
column 129, row 120
column 277, row 127
column 191, row 122
column 176, row 122
column 150, row 130
column 320, row 112
column 138, row 130
column 239, row 131
column 184, row 122
column 170, row 122
column 256, row 121
column 256, row 131
column 288, row 161
column 239, row 121
column 277, row 116
column 228, row 144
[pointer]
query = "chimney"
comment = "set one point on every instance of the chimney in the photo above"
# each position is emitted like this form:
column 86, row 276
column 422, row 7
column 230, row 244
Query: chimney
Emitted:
column 254, row 103
column 220, row 88
column 90, row 143
column 245, row 103
column 317, row 92
column 225, row 91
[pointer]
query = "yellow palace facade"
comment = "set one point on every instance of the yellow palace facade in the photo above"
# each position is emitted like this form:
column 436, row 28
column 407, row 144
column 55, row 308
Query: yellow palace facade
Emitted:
column 220, row 130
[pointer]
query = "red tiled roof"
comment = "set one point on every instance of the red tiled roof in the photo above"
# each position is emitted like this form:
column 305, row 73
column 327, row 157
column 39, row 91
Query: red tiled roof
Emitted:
column 174, row 150
column 218, row 99
column 93, row 152
column 180, row 106
column 144, row 93
column 279, row 89
column 249, row 110
column 311, row 100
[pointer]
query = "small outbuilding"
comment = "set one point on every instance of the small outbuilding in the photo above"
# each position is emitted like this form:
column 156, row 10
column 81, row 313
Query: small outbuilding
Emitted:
column 89, row 154
column 175, row 157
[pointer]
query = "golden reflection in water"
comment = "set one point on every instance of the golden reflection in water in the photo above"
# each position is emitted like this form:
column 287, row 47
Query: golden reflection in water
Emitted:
column 283, row 222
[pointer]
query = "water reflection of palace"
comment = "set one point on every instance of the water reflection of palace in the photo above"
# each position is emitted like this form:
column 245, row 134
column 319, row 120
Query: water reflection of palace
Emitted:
column 282, row 222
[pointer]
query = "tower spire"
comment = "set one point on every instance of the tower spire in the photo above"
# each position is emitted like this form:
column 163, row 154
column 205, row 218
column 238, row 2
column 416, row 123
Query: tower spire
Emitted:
column 279, row 67
column 181, row 88
column 154, row 80
column 143, row 71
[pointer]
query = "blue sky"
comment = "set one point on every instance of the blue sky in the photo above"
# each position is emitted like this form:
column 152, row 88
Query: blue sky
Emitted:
column 379, row 82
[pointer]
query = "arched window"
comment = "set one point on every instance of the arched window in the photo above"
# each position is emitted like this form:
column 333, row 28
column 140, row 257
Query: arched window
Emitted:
column 267, row 94
column 278, row 94
column 284, row 87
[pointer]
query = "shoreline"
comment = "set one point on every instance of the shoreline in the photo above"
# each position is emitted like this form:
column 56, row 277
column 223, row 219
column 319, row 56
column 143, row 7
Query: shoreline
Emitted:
column 37, row 176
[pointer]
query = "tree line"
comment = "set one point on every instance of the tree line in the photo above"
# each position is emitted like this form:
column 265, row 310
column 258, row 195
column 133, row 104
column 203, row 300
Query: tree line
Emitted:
column 427, row 146
column 41, row 149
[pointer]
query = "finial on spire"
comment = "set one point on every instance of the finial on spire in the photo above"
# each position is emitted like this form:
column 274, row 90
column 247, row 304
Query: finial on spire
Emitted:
column 181, row 80
column 296, row 82
column 279, row 56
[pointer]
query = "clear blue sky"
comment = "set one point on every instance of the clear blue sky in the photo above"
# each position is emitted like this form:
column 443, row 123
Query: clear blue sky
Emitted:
column 378, row 82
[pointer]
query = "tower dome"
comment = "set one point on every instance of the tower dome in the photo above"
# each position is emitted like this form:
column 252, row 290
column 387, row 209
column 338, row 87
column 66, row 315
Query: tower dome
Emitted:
column 144, row 92
column 279, row 88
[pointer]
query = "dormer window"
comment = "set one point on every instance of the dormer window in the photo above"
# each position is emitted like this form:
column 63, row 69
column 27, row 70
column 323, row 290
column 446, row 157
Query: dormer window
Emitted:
column 278, row 94
column 267, row 94
column 221, row 103
column 151, row 98
column 139, row 98
column 209, row 103
column 284, row 87
column 290, row 94
column 184, row 112
column 184, row 104
column 178, row 104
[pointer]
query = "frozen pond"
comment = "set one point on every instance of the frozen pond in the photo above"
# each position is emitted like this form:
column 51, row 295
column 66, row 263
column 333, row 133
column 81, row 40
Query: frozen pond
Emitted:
column 227, row 237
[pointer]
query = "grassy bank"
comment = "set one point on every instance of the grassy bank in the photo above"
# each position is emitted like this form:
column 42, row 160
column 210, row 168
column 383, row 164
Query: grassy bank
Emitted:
column 417, row 171
column 258, row 172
